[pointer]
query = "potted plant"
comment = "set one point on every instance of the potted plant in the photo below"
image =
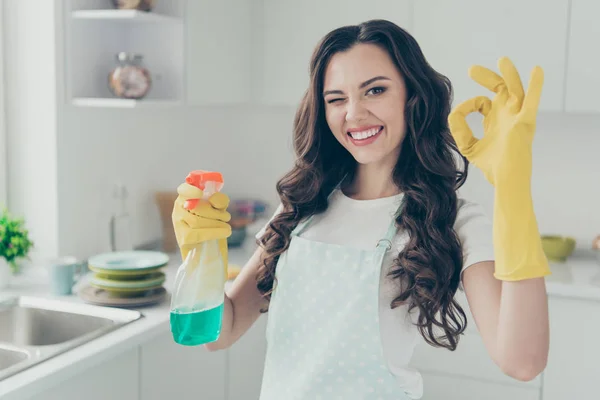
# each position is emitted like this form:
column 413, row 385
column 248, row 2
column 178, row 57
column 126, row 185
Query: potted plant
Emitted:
column 15, row 244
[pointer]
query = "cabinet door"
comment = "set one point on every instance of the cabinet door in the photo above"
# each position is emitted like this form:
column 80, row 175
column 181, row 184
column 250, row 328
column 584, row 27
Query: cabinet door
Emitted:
column 219, row 47
column 292, row 29
column 573, row 369
column 116, row 379
column 529, row 32
column 169, row 370
column 470, row 360
column 246, row 363
column 583, row 80
column 468, row 372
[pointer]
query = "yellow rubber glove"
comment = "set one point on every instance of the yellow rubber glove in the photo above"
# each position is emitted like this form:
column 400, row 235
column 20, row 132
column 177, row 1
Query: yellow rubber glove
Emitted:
column 207, row 221
column 504, row 155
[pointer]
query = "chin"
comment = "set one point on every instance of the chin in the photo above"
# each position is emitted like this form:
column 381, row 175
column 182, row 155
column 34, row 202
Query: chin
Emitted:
column 364, row 158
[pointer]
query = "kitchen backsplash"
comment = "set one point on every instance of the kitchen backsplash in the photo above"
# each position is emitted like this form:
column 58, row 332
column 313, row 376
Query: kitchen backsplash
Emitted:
column 150, row 150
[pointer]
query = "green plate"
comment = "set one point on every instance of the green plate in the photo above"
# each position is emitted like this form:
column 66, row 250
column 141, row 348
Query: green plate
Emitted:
column 123, row 275
column 149, row 281
column 125, row 292
column 130, row 261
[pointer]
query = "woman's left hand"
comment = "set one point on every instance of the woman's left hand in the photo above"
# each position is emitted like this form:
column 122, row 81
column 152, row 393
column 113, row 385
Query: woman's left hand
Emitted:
column 504, row 157
column 504, row 152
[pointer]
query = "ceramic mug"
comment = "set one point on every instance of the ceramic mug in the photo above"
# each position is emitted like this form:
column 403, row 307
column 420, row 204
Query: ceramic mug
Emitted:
column 64, row 273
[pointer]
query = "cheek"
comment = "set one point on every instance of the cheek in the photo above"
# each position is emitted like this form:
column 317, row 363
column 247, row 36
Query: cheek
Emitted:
column 335, row 120
column 394, row 120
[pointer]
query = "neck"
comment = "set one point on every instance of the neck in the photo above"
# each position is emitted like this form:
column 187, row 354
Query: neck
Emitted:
column 371, row 182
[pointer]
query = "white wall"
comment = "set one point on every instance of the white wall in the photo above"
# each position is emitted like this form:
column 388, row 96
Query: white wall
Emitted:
column 74, row 166
column 154, row 150
column 565, row 184
column 32, row 118
column 3, row 152
column 252, row 147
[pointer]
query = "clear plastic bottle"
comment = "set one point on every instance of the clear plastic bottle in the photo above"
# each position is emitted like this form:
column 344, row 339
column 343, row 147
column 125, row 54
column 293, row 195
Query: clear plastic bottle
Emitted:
column 120, row 221
column 199, row 292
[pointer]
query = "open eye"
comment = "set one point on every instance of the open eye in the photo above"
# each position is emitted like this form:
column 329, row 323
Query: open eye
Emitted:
column 376, row 90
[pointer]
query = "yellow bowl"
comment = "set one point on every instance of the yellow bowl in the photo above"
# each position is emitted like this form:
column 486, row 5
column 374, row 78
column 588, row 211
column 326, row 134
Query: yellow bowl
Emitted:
column 558, row 248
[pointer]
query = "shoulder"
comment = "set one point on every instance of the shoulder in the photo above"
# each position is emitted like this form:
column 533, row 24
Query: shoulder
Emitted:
column 471, row 216
column 263, row 229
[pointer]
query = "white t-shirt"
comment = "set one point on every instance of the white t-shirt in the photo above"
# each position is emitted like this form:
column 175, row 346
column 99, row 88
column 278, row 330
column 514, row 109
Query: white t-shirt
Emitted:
column 361, row 224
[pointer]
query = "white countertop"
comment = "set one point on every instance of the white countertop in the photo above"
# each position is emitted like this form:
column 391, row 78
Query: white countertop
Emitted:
column 578, row 278
column 45, row 374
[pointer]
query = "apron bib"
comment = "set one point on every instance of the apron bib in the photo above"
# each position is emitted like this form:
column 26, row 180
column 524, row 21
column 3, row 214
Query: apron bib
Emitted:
column 323, row 332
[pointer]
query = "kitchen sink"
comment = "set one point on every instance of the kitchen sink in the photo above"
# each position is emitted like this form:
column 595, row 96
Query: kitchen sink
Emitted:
column 9, row 357
column 35, row 329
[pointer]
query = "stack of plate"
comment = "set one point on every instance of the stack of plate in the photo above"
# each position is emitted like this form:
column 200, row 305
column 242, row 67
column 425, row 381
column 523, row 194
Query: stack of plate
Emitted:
column 130, row 278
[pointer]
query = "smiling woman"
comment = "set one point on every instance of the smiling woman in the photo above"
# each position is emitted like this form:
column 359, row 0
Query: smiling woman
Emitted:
column 366, row 252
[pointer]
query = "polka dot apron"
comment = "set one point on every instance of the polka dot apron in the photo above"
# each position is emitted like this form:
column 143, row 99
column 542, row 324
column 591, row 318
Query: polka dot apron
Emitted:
column 323, row 339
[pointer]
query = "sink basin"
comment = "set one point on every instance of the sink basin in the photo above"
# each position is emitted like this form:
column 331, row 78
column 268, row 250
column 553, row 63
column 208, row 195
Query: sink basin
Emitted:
column 30, row 326
column 9, row 357
column 35, row 329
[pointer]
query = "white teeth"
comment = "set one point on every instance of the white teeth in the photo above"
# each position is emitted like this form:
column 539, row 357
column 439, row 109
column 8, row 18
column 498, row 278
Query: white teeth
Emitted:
column 364, row 134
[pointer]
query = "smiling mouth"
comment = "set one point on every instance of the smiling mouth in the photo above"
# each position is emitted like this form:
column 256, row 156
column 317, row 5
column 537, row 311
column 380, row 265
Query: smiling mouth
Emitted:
column 365, row 134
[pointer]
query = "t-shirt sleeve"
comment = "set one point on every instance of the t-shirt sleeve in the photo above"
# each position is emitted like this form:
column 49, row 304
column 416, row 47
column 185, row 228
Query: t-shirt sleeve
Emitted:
column 474, row 229
column 264, row 228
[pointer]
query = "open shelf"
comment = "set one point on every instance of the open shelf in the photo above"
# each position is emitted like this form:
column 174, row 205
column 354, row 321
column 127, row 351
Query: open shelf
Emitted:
column 96, row 32
column 117, row 15
column 123, row 103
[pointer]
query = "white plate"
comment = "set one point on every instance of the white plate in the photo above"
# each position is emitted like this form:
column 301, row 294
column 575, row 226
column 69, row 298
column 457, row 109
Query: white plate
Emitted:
column 129, row 260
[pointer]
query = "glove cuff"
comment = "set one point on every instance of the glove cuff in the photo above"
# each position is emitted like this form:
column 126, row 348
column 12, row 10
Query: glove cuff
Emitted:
column 517, row 242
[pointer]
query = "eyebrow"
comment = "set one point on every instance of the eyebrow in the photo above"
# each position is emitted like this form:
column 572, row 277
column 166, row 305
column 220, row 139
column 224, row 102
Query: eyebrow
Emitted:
column 362, row 85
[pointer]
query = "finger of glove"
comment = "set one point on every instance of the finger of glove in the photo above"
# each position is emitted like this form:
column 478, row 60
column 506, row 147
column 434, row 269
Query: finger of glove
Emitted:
column 487, row 78
column 201, row 221
column 219, row 200
column 188, row 235
column 512, row 80
column 457, row 120
column 187, row 191
column 205, row 209
column 532, row 99
column 202, row 235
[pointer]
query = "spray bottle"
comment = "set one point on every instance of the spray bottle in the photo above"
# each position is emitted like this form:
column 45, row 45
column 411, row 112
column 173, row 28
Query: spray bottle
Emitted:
column 199, row 293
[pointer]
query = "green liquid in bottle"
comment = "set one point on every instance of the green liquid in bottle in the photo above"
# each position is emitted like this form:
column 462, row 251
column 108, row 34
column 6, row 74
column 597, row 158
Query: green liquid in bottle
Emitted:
column 192, row 328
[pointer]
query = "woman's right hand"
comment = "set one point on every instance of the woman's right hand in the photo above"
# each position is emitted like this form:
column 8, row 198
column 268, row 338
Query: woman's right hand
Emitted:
column 207, row 221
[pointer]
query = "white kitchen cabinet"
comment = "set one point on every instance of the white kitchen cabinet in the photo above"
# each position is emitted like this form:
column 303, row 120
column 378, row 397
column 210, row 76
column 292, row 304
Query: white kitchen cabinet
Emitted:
column 169, row 370
column 573, row 368
column 116, row 379
column 469, row 369
column 529, row 32
column 246, row 363
column 219, row 51
column 469, row 361
column 583, row 80
column 291, row 30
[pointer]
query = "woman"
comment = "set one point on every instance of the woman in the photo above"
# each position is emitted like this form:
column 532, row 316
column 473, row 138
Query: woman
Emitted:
column 370, row 243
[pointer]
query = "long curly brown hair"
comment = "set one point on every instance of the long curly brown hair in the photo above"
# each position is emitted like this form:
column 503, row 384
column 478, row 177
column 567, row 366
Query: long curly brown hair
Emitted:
column 429, row 267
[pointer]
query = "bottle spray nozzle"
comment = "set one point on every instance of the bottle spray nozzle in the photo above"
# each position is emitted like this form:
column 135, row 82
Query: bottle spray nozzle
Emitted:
column 208, row 181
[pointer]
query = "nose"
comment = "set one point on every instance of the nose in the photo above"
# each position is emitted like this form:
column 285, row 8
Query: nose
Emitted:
column 356, row 111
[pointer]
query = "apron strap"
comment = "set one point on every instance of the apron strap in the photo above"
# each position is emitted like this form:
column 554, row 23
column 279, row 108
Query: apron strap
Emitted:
column 386, row 242
column 302, row 226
